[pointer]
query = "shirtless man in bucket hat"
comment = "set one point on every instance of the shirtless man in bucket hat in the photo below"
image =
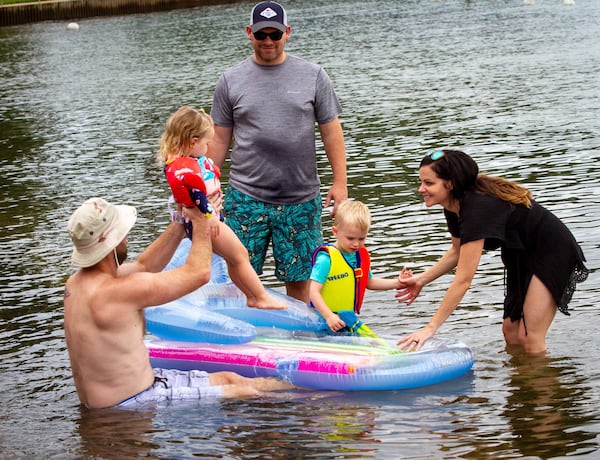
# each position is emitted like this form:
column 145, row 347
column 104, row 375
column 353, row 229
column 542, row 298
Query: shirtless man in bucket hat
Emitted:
column 104, row 311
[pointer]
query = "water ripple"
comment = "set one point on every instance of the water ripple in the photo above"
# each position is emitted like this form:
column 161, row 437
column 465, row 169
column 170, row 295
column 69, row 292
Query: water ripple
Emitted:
column 515, row 86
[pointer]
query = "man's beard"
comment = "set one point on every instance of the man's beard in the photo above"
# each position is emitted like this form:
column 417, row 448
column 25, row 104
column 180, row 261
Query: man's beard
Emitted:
column 120, row 255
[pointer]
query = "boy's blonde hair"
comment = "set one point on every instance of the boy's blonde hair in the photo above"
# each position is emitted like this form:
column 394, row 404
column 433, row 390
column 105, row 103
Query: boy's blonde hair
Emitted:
column 352, row 212
column 180, row 129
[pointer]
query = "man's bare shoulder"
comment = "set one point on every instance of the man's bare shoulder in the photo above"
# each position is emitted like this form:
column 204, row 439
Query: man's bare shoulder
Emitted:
column 137, row 289
column 91, row 286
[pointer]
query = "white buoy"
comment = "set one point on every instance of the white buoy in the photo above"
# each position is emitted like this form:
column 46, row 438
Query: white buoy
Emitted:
column 569, row 2
column 73, row 26
column 529, row 2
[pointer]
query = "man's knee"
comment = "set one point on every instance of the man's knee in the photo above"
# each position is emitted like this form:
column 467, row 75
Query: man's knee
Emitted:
column 239, row 391
column 226, row 378
column 235, row 379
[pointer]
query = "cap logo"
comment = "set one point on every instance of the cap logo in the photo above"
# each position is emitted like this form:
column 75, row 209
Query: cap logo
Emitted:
column 268, row 13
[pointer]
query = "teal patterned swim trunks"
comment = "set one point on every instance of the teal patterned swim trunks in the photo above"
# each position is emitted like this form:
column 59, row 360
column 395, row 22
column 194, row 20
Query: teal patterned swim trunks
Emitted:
column 294, row 230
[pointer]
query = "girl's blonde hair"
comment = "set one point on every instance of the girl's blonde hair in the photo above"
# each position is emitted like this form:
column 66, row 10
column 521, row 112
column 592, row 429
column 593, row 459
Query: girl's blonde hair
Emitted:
column 352, row 212
column 180, row 129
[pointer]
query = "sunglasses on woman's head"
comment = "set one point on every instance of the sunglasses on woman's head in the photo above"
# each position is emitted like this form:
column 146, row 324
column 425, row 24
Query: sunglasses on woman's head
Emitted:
column 435, row 154
column 275, row 35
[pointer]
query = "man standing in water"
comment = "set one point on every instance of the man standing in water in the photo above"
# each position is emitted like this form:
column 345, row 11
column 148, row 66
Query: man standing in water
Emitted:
column 104, row 311
column 270, row 103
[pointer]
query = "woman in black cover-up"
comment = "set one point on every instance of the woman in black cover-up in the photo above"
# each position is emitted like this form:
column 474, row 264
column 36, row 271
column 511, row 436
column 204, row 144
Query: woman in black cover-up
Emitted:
column 543, row 261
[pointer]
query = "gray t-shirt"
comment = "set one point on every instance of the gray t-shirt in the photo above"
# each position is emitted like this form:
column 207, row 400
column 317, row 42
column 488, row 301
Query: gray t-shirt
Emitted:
column 273, row 111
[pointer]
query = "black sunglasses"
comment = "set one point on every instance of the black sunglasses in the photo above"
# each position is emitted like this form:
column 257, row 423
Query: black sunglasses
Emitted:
column 275, row 36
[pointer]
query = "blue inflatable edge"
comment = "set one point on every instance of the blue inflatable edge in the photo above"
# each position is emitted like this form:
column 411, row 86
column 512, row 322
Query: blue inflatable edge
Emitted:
column 217, row 312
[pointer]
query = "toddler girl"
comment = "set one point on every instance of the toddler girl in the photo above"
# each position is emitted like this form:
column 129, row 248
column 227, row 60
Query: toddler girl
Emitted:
column 191, row 177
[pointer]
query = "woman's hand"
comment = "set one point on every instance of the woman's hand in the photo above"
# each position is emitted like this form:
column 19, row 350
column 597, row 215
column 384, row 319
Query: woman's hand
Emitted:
column 416, row 340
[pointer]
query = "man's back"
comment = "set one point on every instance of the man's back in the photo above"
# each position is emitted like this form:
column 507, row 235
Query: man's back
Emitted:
column 105, row 340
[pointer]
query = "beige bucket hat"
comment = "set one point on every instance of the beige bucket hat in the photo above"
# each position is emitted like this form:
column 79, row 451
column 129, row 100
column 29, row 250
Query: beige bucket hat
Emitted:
column 96, row 228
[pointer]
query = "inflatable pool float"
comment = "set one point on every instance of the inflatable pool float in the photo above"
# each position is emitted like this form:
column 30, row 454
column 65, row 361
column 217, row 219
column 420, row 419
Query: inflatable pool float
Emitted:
column 217, row 312
column 326, row 363
column 213, row 329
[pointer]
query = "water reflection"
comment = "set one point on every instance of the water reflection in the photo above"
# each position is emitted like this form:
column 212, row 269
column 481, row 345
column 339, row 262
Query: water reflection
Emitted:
column 514, row 85
column 545, row 407
column 326, row 430
column 105, row 432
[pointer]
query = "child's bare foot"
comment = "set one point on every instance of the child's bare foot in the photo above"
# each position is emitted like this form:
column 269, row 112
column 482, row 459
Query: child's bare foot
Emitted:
column 266, row 302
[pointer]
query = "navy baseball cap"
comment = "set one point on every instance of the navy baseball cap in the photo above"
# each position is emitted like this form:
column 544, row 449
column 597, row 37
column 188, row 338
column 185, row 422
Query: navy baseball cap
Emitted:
column 268, row 14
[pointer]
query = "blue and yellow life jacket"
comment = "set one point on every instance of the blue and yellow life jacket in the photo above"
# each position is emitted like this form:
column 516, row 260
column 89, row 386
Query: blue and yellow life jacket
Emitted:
column 345, row 286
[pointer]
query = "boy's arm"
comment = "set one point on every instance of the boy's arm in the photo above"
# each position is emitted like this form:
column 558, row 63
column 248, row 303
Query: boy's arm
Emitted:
column 382, row 284
column 385, row 284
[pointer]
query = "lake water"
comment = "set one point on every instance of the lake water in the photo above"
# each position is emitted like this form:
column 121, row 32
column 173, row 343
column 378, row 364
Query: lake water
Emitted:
column 515, row 85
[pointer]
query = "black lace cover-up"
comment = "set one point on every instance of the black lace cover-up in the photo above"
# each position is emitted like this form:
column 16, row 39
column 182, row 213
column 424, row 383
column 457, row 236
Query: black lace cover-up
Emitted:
column 533, row 241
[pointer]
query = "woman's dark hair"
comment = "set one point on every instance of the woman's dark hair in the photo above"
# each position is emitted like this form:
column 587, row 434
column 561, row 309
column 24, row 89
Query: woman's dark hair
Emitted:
column 454, row 166
column 462, row 172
